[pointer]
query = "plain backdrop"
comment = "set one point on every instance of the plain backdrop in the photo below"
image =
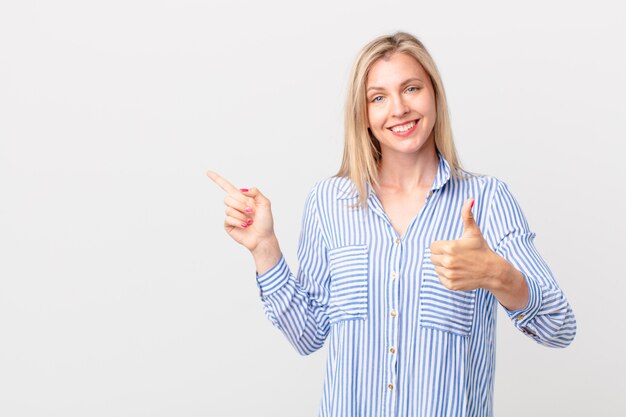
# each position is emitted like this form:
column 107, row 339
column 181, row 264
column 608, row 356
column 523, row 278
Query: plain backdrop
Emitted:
column 120, row 292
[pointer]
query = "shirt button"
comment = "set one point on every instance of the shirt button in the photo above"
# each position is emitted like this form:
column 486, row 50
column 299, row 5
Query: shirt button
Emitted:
column 525, row 330
column 393, row 313
column 394, row 275
column 390, row 386
column 392, row 350
column 397, row 240
column 520, row 317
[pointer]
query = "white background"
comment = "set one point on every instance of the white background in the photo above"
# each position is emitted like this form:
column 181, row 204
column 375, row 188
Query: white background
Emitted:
column 120, row 292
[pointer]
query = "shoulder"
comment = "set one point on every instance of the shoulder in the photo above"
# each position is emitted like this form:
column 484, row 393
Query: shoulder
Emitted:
column 489, row 190
column 333, row 188
column 465, row 178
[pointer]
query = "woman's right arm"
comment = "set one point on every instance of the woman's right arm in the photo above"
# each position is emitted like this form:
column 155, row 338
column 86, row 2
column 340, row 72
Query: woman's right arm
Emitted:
column 295, row 304
column 298, row 304
column 266, row 255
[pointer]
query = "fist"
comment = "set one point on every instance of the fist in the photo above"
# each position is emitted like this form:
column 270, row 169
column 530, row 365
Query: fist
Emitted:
column 466, row 263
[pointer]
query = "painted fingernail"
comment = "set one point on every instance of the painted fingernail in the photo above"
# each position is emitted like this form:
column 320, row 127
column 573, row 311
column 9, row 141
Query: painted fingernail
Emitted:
column 244, row 189
column 249, row 221
column 244, row 224
column 473, row 201
column 248, row 210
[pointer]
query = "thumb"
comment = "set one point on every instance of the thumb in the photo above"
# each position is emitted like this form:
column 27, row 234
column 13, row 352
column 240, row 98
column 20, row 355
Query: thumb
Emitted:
column 470, row 228
column 256, row 195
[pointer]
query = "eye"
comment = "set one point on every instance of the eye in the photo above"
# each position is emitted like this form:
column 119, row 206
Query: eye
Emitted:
column 377, row 99
column 412, row 89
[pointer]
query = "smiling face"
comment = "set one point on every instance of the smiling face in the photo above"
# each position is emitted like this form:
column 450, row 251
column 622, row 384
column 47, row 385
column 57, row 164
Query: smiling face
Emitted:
column 401, row 106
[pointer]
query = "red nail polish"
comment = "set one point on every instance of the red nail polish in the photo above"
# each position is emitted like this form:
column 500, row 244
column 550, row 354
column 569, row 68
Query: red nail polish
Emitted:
column 248, row 210
column 245, row 190
column 473, row 201
column 249, row 221
column 244, row 224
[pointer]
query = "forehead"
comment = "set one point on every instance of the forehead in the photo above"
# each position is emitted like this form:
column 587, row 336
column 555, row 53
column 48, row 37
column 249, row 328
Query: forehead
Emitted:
column 393, row 70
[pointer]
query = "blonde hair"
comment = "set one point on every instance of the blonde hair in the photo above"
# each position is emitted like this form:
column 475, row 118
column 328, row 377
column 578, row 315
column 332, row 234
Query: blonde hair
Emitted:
column 361, row 151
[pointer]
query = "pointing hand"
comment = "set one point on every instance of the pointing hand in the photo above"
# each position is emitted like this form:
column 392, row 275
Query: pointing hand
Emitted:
column 248, row 214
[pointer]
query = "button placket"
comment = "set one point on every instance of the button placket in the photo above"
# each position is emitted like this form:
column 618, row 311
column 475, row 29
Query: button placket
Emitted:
column 393, row 300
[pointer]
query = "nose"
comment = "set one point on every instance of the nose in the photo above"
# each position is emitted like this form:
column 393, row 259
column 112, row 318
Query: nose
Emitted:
column 399, row 107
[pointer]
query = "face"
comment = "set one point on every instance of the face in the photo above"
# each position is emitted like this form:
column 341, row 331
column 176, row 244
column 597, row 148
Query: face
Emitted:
column 400, row 105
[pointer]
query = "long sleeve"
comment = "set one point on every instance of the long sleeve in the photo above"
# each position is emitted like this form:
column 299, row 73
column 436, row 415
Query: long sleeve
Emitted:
column 548, row 317
column 297, row 304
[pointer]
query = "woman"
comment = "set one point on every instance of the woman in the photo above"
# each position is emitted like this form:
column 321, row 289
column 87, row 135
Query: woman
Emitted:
column 403, row 255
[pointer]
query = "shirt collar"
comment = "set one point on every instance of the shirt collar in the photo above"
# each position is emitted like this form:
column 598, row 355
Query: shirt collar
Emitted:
column 443, row 173
column 347, row 189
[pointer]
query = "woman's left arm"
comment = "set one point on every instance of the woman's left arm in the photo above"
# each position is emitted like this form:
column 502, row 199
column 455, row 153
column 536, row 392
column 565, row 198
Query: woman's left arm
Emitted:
column 505, row 262
column 547, row 316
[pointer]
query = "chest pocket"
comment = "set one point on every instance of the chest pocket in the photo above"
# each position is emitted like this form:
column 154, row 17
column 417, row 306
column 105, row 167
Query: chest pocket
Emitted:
column 348, row 283
column 441, row 308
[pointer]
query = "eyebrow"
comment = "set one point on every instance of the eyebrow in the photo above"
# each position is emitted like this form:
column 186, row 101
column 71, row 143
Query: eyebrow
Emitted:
column 405, row 82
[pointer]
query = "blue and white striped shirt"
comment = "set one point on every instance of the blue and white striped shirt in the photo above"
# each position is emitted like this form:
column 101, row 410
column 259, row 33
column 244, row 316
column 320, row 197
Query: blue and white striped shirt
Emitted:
column 399, row 342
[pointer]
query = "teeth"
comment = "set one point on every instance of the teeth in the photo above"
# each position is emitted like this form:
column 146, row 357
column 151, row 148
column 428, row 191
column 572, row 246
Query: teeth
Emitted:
column 403, row 128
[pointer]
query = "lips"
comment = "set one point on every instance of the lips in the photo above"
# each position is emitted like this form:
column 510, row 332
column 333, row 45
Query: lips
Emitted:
column 405, row 128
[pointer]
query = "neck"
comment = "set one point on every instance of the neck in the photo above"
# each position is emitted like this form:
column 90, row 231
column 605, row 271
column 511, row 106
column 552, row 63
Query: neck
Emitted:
column 408, row 172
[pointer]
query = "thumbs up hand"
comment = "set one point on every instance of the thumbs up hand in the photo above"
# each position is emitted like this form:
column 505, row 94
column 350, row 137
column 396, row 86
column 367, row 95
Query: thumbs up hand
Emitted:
column 467, row 263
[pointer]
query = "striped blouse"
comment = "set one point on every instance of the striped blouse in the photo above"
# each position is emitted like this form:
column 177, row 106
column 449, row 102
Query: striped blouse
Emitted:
column 400, row 343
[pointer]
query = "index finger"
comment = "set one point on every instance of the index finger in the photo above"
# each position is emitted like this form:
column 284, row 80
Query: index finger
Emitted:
column 224, row 185
column 439, row 247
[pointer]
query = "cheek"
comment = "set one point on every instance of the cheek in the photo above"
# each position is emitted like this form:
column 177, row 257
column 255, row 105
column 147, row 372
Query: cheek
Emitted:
column 374, row 118
column 432, row 105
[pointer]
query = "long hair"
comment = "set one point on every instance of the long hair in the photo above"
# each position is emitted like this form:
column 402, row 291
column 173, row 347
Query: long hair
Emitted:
column 361, row 152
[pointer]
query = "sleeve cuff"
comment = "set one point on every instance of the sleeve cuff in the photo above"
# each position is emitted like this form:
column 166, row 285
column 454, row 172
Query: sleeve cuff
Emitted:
column 525, row 315
column 274, row 278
